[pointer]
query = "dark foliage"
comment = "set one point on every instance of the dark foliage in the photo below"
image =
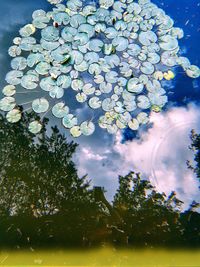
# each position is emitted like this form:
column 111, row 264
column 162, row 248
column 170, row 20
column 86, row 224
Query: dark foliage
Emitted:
column 43, row 202
column 195, row 146
column 153, row 219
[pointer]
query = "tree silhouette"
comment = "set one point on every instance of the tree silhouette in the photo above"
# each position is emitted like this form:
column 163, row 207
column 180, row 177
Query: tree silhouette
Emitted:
column 150, row 218
column 44, row 203
column 37, row 179
column 195, row 147
column 37, row 175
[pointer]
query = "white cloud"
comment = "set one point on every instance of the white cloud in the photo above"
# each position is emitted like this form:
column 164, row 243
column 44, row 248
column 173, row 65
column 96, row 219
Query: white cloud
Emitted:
column 89, row 155
column 159, row 154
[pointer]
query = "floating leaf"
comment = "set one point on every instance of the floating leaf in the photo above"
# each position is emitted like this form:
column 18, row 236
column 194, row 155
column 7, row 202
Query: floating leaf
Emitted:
column 27, row 30
column 87, row 128
column 81, row 39
column 69, row 121
column 105, row 88
column 14, row 116
column 40, row 105
column 111, row 33
column 112, row 129
column 82, row 67
column 112, row 60
column 61, row 18
column 9, row 90
column 49, row 45
column 43, row 68
column 142, row 118
column 14, row 51
column 68, row 34
column 134, row 49
column 106, row 3
column 168, row 42
column 143, row 102
column 133, row 124
column 77, row 84
column 56, row 92
column 94, row 69
column 111, row 77
column 147, row 38
column 134, row 86
column 169, row 58
column 88, row 29
column 77, row 57
column 147, row 68
column 33, row 59
column 153, row 58
column 64, row 81
column 7, row 103
column 47, row 84
column 88, row 89
column 50, row 34
column 81, row 97
column 75, row 131
column 94, row 102
column 40, row 22
column 59, row 110
column 76, row 20
column 27, row 43
column 19, row 63
column 96, row 45
column 157, row 99
column 120, row 43
column 92, row 57
column 193, row 71
column 108, row 104
column 35, row 127
column 14, row 77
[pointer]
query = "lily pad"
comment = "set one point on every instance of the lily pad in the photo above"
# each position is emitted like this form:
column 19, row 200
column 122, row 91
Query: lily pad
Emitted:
column 75, row 131
column 14, row 116
column 14, row 77
column 19, row 63
column 40, row 105
column 59, row 110
column 35, row 127
column 9, row 90
column 94, row 102
column 56, row 92
column 50, row 34
column 7, row 103
column 69, row 121
column 134, row 86
column 87, row 128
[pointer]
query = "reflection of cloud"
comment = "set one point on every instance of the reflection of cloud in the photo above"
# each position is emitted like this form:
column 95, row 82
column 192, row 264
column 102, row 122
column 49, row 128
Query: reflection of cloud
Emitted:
column 160, row 154
column 162, row 151
column 88, row 154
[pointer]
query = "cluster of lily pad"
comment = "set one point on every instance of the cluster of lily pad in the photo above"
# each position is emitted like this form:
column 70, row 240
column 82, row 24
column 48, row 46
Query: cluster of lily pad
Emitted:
column 114, row 55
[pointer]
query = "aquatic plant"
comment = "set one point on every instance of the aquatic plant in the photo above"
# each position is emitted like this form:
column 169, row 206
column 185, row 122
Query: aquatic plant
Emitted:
column 114, row 55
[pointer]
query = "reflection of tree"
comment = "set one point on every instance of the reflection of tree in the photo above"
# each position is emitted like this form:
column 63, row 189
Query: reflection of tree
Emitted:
column 150, row 218
column 43, row 202
column 39, row 179
column 37, row 176
column 195, row 146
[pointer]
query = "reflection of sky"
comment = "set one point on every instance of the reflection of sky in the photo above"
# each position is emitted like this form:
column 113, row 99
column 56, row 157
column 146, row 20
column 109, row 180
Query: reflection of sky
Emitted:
column 102, row 156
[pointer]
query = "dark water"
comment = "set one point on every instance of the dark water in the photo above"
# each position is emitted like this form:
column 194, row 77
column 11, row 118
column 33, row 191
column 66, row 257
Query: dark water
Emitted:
column 186, row 14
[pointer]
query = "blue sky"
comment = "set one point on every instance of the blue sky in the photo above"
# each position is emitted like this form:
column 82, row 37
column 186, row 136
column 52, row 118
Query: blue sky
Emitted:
column 160, row 152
